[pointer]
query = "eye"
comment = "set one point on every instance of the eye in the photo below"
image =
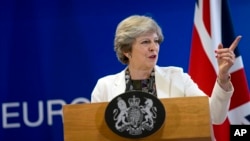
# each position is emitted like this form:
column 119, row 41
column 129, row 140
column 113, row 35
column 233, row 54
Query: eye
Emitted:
column 157, row 41
column 145, row 42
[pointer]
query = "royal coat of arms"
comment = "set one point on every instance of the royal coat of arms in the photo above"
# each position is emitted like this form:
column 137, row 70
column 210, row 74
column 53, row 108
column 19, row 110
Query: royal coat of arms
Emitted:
column 135, row 115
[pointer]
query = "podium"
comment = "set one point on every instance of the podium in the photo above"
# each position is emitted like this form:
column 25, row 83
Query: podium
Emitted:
column 187, row 119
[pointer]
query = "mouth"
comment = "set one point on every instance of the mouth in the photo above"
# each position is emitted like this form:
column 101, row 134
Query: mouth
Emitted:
column 152, row 56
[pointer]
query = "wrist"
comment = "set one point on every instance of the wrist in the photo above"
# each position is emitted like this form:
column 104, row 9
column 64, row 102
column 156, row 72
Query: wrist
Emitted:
column 225, row 82
column 224, row 79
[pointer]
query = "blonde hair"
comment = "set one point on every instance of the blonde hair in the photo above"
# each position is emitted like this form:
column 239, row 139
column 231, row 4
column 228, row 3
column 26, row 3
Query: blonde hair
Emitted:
column 129, row 29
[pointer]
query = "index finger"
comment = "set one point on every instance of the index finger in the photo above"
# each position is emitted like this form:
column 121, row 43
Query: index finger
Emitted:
column 235, row 43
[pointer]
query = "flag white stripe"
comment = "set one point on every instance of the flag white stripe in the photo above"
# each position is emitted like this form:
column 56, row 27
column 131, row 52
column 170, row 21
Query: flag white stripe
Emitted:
column 237, row 65
column 215, row 17
column 236, row 116
column 206, row 40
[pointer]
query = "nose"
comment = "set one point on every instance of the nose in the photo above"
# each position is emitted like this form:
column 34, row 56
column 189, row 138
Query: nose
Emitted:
column 153, row 46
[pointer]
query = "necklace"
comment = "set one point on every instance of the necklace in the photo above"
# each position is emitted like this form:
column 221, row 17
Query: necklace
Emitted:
column 145, row 85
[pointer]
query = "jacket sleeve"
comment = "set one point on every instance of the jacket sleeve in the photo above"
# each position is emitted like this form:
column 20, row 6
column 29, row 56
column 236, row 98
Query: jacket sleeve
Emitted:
column 219, row 99
column 219, row 103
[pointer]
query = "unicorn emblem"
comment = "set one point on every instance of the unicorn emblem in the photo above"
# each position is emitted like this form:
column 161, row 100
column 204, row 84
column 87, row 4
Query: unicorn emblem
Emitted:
column 150, row 112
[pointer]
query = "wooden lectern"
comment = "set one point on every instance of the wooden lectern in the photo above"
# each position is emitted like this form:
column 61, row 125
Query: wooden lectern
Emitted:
column 187, row 119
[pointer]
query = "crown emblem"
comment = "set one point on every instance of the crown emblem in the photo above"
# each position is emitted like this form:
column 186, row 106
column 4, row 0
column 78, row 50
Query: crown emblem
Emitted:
column 134, row 102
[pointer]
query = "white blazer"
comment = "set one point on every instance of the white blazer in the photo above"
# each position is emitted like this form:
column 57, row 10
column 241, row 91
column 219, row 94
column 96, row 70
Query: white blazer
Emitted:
column 170, row 82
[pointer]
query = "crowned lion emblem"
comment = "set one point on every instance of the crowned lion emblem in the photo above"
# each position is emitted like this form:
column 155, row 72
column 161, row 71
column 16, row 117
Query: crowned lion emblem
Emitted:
column 136, row 117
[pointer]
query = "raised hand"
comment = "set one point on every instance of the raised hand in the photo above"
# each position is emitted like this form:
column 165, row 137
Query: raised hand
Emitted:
column 226, row 59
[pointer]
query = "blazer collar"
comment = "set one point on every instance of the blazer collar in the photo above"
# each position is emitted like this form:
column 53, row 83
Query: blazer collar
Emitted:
column 161, row 79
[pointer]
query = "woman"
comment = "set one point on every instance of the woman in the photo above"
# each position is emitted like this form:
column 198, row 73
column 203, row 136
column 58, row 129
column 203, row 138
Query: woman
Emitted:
column 137, row 43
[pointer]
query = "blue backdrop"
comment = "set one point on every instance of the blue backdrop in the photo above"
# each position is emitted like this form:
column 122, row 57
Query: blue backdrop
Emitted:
column 53, row 51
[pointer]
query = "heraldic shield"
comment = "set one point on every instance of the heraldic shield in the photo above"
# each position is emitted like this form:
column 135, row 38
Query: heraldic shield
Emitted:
column 135, row 114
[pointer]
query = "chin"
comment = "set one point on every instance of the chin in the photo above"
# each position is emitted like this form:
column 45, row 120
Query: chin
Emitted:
column 152, row 65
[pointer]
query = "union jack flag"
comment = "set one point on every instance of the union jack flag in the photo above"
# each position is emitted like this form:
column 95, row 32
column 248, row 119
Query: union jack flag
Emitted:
column 212, row 25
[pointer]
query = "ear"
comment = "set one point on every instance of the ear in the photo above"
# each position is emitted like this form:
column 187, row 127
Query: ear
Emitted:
column 127, row 54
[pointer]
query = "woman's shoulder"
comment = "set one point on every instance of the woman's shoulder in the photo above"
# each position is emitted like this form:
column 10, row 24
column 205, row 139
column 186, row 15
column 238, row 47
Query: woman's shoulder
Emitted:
column 112, row 76
column 169, row 69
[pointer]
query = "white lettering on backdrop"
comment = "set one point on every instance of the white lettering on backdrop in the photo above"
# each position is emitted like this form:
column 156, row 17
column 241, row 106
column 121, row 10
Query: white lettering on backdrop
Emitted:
column 12, row 112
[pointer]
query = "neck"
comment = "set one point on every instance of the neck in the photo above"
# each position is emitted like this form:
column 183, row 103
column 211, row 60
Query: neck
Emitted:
column 139, row 74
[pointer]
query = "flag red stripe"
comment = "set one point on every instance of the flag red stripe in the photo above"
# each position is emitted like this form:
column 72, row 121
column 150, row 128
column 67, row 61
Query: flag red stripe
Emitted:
column 201, row 69
column 222, row 131
column 206, row 16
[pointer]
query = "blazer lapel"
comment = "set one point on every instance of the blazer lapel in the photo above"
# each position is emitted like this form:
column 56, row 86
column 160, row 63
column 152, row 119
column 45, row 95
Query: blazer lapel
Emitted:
column 119, row 84
column 163, row 83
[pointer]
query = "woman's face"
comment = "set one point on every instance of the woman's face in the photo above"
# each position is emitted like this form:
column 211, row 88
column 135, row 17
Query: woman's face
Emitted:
column 145, row 49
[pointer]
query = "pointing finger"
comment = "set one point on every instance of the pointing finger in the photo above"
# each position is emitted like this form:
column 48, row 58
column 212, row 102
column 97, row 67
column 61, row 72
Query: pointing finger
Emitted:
column 235, row 43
